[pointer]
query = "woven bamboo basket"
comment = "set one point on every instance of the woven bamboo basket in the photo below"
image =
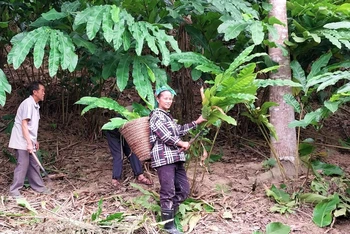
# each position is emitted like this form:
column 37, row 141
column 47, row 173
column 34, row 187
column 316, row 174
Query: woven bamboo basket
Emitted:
column 136, row 133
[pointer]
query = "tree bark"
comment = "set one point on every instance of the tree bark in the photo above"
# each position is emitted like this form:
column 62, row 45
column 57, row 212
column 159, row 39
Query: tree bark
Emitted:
column 280, row 116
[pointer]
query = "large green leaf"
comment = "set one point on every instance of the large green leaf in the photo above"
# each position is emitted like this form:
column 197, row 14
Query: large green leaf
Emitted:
column 94, row 22
column 338, row 25
column 277, row 228
column 298, row 73
column 203, row 63
column 103, row 102
column 118, row 32
column 24, row 203
column 68, row 57
column 256, row 29
column 327, row 169
column 110, row 67
column 54, row 15
column 82, row 17
column 216, row 114
column 275, row 82
column 231, row 29
column 279, row 195
column 139, row 30
column 114, row 123
column 54, row 55
column 39, row 47
column 20, row 50
column 107, row 26
column 322, row 215
column 318, row 65
column 240, row 59
column 5, row 87
column 81, row 42
column 122, row 73
column 311, row 198
column 290, row 100
column 310, row 118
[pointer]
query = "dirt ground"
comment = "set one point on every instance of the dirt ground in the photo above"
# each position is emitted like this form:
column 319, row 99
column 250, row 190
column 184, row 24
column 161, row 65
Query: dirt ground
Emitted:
column 82, row 169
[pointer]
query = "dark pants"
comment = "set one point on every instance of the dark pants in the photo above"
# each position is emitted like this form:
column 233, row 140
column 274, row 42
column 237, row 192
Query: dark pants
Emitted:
column 119, row 147
column 174, row 186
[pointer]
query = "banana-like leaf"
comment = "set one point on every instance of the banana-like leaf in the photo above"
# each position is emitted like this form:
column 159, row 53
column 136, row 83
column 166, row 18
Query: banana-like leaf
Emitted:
column 203, row 63
column 39, row 47
column 256, row 28
column 332, row 106
column 139, row 30
column 231, row 29
column 344, row 89
column 141, row 82
column 266, row 106
column 110, row 67
column 114, row 123
column 126, row 40
column 338, row 25
column 20, row 50
column 103, row 102
column 81, row 42
column 122, row 73
column 24, row 203
column 277, row 228
column 322, row 215
column 161, row 43
column 115, row 14
column 94, row 22
column 290, row 100
column 334, row 40
column 231, row 99
column 54, row 15
column 311, row 118
column 54, row 55
column 318, row 65
column 299, row 74
column 118, row 32
column 242, row 84
column 275, row 82
column 311, row 198
column 5, row 87
column 334, row 79
column 217, row 114
column 107, row 26
column 69, row 59
column 240, row 59
column 82, row 17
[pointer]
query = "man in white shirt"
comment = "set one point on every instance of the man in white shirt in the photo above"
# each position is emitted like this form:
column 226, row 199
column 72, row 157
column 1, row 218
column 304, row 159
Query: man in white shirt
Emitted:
column 24, row 140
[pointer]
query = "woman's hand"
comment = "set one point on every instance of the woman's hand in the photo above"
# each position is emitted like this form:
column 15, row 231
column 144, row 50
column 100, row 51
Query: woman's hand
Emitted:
column 200, row 120
column 185, row 145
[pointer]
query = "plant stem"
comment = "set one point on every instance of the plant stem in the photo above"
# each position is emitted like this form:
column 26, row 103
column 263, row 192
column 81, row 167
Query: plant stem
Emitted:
column 211, row 149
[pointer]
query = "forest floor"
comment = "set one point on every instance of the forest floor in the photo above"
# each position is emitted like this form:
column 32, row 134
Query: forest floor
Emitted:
column 81, row 172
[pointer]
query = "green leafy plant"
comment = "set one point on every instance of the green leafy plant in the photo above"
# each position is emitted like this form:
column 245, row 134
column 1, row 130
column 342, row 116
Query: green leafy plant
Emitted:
column 5, row 87
column 110, row 104
column 275, row 227
column 319, row 78
column 96, row 216
column 285, row 203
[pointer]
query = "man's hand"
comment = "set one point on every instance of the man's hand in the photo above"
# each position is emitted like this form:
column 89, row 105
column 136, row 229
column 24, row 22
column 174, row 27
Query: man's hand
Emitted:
column 37, row 145
column 30, row 147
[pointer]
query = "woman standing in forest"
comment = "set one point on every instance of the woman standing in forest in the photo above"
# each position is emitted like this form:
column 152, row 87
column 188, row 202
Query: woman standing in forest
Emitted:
column 168, row 157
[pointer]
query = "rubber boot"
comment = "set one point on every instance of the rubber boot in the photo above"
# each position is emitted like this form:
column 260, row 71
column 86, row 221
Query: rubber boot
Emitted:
column 168, row 214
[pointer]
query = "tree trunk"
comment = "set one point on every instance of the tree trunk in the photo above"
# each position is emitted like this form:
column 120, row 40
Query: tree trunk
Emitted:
column 285, row 146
